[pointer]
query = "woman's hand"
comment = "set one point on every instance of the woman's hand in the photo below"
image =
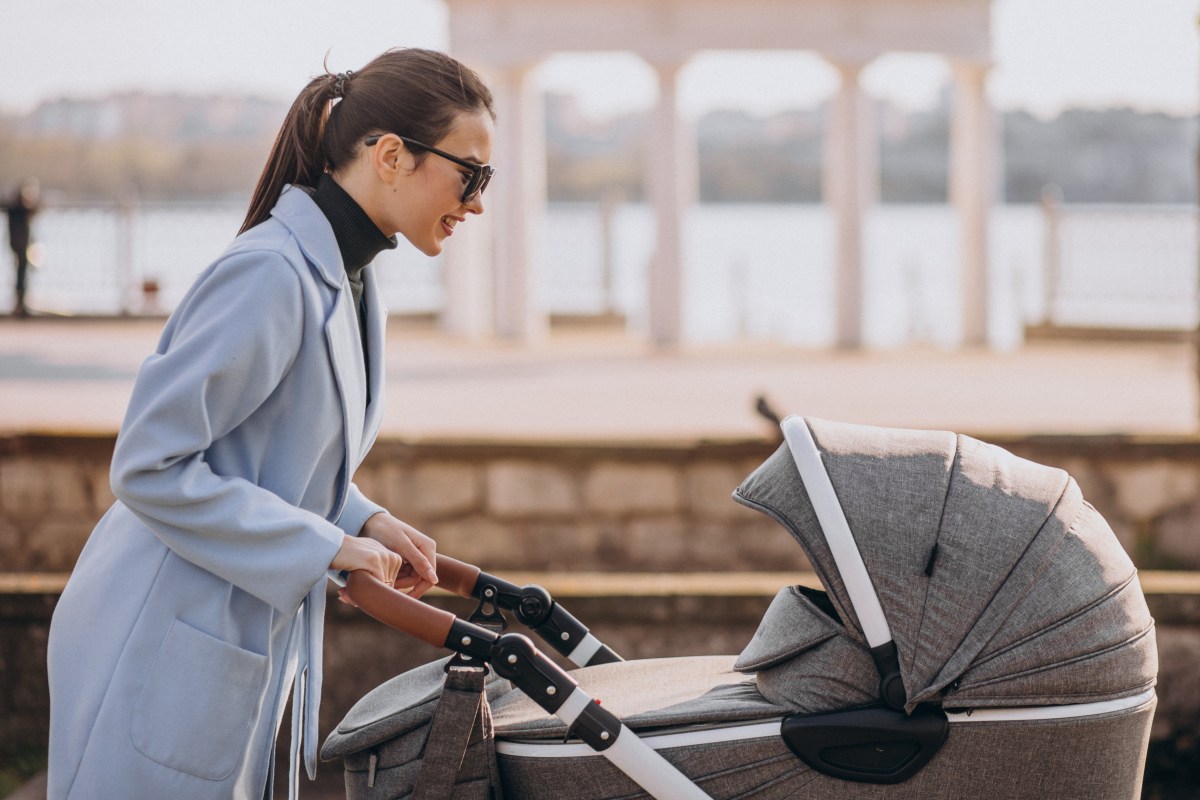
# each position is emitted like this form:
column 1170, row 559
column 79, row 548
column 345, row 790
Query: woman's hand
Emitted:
column 418, row 551
column 370, row 555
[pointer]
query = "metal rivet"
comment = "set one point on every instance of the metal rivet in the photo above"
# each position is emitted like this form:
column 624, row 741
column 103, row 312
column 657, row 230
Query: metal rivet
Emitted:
column 565, row 636
column 466, row 641
column 604, row 736
column 488, row 593
column 512, row 659
column 550, row 690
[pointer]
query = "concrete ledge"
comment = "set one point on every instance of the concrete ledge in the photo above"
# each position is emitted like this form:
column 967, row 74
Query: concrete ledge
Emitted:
column 1157, row 585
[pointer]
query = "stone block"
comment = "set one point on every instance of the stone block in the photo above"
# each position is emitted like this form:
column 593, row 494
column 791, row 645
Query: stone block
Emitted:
column 54, row 544
column 659, row 544
column 11, row 556
column 25, row 490
column 517, row 488
column 30, row 487
column 565, row 546
column 550, row 546
column 476, row 539
column 369, row 481
column 709, row 487
column 619, row 488
column 1092, row 482
column 1146, row 490
column 446, row 488
column 1130, row 538
column 1177, row 538
column 525, row 545
column 394, row 482
column 698, row 546
column 1178, row 713
column 100, row 489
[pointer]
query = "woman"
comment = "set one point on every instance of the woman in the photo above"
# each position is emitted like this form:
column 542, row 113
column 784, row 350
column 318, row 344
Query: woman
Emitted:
column 198, row 600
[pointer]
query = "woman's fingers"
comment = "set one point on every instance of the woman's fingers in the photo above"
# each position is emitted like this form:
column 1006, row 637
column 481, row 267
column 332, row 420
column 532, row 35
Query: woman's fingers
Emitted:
column 417, row 549
column 367, row 554
column 420, row 553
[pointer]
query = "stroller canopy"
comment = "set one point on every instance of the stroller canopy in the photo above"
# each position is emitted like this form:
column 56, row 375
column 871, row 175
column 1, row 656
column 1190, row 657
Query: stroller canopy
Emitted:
column 1000, row 585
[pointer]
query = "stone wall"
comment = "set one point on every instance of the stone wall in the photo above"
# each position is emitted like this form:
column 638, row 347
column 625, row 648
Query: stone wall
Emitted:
column 620, row 507
column 623, row 507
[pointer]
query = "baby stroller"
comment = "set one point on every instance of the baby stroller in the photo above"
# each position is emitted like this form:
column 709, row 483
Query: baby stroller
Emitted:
column 981, row 632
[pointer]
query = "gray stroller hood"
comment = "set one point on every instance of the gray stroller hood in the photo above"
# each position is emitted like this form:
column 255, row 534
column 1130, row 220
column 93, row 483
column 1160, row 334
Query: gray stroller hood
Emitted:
column 999, row 584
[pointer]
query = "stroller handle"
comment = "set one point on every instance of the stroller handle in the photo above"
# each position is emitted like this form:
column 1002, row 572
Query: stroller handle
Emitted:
column 514, row 657
column 397, row 610
column 457, row 577
column 533, row 607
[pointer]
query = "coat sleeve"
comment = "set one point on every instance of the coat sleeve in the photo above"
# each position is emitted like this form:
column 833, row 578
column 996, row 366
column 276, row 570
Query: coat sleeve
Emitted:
column 230, row 344
column 358, row 509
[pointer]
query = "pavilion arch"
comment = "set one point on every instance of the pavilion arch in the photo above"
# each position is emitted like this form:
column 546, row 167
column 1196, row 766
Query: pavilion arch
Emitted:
column 491, row 277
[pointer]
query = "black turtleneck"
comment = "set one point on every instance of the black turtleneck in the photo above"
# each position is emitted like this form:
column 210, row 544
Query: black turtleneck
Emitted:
column 358, row 238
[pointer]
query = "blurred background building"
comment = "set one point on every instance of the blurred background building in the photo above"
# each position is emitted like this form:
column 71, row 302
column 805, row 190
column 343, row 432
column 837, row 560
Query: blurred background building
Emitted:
column 849, row 174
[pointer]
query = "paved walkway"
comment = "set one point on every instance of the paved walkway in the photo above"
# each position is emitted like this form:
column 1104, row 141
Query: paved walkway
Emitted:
column 586, row 385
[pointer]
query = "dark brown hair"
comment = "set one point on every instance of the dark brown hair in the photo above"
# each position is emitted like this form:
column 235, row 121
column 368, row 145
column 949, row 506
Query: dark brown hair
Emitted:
column 410, row 92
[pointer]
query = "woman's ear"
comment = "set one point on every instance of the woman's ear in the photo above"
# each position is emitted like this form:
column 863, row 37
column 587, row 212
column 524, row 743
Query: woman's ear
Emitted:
column 389, row 156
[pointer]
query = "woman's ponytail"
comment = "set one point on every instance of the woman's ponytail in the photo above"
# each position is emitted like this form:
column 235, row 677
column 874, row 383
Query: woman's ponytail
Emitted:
column 297, row 156
column 410, row 92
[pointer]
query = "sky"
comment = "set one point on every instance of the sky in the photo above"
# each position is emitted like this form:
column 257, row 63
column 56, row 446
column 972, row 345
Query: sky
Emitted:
column 1049, row 54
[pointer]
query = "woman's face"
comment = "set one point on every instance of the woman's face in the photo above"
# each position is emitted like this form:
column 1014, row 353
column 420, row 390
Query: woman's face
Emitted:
column 427, row 201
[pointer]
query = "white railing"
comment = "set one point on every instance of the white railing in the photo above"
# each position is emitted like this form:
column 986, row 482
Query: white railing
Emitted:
column 1130, row 267
column 758, row 271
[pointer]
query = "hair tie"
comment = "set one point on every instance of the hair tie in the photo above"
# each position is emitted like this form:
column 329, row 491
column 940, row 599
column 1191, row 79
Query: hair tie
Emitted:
column 339, row 83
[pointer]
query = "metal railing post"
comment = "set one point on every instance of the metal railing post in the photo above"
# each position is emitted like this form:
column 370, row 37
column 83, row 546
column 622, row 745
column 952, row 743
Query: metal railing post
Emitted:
column 1051, row 251
column 126, row 210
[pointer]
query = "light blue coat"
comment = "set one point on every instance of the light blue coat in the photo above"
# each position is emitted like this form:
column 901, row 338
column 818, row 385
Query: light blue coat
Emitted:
column 201, row 593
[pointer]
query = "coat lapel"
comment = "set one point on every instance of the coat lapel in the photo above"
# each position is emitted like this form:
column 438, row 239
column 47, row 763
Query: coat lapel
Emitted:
column 376, row 340
column 345, row 352
column 297, row 211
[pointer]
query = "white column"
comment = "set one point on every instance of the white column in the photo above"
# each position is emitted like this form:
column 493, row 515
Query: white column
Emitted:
column 850, row 186
column 516, row 198
column 971, row 190
column 467, row 266
column 671, row 186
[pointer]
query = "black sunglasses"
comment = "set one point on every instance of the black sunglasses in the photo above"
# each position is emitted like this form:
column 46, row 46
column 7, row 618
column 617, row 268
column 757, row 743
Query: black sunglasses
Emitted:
column 481, row 174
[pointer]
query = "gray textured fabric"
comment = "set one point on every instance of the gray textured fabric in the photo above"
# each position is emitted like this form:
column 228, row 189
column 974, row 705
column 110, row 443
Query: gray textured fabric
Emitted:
column 382, row 740
column 804, row 661
column 403, row 704
column 462, row 718
column 646, row 694
column 791, row 625
column 1074, row 759
column 1022, row 566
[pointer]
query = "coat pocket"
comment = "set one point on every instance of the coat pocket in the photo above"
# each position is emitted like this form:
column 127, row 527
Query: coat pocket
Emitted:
column 198, row 704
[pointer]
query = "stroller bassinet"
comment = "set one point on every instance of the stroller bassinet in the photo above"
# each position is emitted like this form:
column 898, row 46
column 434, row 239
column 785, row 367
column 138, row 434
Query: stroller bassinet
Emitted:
column 982, row 632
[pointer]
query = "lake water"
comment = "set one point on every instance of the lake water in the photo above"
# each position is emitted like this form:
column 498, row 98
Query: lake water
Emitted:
column 756, row 271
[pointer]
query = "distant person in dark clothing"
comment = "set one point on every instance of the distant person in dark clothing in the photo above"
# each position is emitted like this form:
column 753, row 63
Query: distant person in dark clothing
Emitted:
column 21, row 210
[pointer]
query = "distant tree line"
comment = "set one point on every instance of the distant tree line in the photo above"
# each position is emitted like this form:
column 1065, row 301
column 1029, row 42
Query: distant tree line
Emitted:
column 78, row 169
column 194, row 150
column 1109, row 156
